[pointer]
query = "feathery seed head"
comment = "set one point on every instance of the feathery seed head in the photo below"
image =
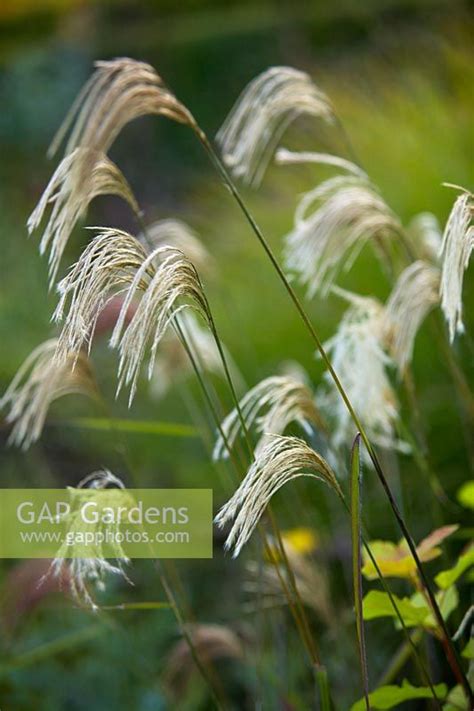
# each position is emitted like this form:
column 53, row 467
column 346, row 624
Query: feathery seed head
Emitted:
column 80, row 177
column 118, row 92
column 455, row 252
column 264, row 110
column 39, row 381
column 286, row 157
column 173, row 286
column 271, row 406
column 358, row 358
column 173, row 364
column 104, row 269
column 426, row 232
column 81, row 572
column 176, row 233
column 332, row 224
column 415, row 293
column 278, row 461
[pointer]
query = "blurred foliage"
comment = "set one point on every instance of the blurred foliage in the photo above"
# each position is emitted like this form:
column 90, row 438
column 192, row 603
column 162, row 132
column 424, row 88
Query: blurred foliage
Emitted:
column 400, row 74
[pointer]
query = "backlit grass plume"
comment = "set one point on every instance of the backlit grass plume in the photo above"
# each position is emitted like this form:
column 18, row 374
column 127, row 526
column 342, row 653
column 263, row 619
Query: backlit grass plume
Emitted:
column 415, row 293
column 358, row 358
column 426, row 234
column 176, row 233
column 278, row 461
column 84, row 572
column 107, row 265
column 173, row 285
column 456, row 249
column 270, row 406
column 80, row 177
column 40, row 381
column 332, row 224
column 286, row 157
column 264, row 110
column 118, row 92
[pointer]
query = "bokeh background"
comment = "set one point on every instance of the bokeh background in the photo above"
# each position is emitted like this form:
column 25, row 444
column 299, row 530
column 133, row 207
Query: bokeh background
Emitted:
column 400, row 74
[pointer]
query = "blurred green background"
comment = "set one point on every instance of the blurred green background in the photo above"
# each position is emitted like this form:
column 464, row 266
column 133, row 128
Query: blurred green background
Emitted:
column 400, row 74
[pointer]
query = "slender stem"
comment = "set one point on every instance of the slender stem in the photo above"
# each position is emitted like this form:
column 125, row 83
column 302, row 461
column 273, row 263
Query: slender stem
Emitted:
column 450, row 649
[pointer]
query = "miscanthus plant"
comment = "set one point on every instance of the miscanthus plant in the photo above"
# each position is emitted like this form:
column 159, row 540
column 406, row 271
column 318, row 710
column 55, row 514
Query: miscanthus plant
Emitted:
column 285, row 426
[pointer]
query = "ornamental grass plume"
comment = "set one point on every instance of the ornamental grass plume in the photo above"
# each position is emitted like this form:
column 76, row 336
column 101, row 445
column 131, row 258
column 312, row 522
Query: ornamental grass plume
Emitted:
column 262, row 113
column 172, row 363
column 414, row 295
column 285, row 157
column 270, row 406
column 165, row 283
column 332, row 224
column 109, row 262
column 278, row 461
column 358, row 358
column 176, row 233
column 455, row 252
column 40, row 381
column 118, row 92
column 425, row 231
column 81, row 176
column 82, row 572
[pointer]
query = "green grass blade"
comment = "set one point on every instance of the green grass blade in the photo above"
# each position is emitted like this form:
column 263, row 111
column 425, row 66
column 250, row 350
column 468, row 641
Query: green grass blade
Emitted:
column 356, row 476
column 152, row 427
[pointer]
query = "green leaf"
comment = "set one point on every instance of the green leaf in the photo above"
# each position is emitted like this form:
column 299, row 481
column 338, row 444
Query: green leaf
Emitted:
column 169, row 429
column 377, row 604
column 386, row 697
column 468, row 651
column 465, row 494
column 447, row 577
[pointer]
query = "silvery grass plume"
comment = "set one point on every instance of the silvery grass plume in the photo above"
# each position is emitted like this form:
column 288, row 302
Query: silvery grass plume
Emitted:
column 82, row 572
column 174, row 285
column 270, row 407
column 455, row 252
column 262, row 113
column 285, row 157
column 104, row 269
column 357, row 355
column 40, row 381
column 277, row 462
column 311, row 582
column 172, row 363
column 176, row 233
column 118, row 92
column 426, row 233
column 414, row 295
column 80, row 177
column 332, row 224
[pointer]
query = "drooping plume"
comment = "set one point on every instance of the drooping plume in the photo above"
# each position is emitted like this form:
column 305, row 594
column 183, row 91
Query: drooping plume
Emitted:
column 80, row 177
column 332, row 224
column 279, row 460
column 177, row 234
column 263, row 112
column 426, row 233
column 456, row 249
column 173, row 286
column 118, row 92
column 38, row 382
column 83, row 572
column 415, row 293
column 270, row 406
column 286, row 157
column 357, row 355
column 104, row 269
column 172, row 362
